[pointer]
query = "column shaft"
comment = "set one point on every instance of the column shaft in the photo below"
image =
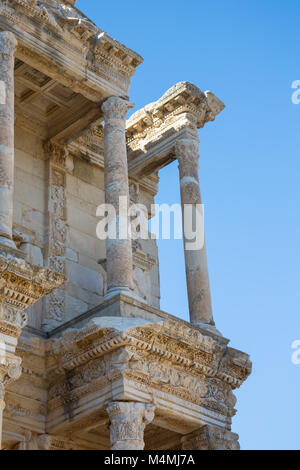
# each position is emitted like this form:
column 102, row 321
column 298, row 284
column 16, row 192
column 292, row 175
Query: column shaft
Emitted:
column 7, row 49
column 195, row 259
column 128, row 421
column 118, row 250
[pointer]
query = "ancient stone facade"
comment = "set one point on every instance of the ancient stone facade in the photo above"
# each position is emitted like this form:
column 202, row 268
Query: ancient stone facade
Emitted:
column 87, row 358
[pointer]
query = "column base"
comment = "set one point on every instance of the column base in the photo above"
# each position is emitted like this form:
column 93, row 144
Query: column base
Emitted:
column 114, row 291
column 207, row 327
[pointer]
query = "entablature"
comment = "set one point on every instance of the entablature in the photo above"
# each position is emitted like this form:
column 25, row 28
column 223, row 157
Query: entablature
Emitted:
column 56, row 38
column 67, row 381
column 153, row 130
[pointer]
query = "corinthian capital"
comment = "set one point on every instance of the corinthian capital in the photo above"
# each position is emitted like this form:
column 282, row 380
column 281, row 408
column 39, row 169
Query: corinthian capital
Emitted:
column 116, row 108
column 187, row 151
column 8, row 43
column 57, row 152
column 128, row 422
column 211, row 438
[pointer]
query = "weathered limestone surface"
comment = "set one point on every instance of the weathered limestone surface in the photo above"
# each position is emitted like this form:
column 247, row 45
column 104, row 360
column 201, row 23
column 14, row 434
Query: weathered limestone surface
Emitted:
column 8, row 44
column 92, row 362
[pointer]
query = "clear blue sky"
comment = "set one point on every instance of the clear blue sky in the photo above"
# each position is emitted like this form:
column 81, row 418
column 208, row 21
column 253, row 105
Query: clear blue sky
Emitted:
column 247, row 53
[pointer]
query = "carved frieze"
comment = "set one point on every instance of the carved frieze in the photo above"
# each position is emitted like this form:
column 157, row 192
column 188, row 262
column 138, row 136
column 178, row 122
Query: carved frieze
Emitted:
column 168, row 358
column 164, row 361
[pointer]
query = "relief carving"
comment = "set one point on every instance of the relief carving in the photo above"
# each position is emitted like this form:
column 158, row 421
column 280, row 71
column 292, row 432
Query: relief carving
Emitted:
column 211, row 438
column 57, row 230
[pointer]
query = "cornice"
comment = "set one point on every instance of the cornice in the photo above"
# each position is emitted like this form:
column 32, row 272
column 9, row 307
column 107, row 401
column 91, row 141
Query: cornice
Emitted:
column 184, row 97
column 153, row 130
column 70, row 47
column 22, row 284
column 168, row 362
column 168, row 339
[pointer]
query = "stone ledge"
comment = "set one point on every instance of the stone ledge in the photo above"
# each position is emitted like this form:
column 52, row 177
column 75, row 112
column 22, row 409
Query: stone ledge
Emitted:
column 118, row 306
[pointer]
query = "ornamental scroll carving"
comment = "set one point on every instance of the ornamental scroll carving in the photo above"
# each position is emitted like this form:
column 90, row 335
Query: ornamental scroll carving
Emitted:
column 57, row 230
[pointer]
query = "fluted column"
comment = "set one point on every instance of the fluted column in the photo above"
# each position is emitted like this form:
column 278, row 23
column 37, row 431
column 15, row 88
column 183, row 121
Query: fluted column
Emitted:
column 8, row 44
column 118, row 250
column 127, row 424
column 195, row 259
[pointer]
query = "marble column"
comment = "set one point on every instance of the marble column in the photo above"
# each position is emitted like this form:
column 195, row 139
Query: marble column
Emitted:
column 118, row 249
column 211, row 438
column 127, row 424
column 195, row 259
column 8, row 44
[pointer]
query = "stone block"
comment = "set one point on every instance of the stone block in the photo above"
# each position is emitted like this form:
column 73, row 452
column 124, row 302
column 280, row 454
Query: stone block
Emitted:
column 82, row 243
column 71, row 255
column 74, row 307
column 81, row 220
column 30, row 194
column 84, row 277
column 90, row 298
column 34, row 253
